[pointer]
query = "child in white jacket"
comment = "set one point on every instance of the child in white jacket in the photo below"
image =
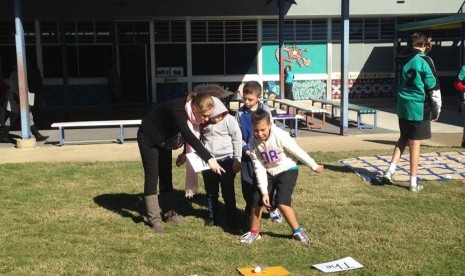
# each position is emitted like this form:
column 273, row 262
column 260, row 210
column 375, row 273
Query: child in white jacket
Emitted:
column 275, row 170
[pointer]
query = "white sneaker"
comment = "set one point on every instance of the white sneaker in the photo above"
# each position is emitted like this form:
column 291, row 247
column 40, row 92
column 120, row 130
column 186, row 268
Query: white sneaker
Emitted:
column 387, row 177
column 415, row 188
column 249, row 238
column 276, row 216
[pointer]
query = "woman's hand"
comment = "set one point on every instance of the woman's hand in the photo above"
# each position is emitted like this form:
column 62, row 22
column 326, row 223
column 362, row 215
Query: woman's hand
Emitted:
column 216, row 168
column 181, row 159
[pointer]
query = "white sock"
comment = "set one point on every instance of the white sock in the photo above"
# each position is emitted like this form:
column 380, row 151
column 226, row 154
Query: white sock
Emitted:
column 392, row 168
column 413, row 181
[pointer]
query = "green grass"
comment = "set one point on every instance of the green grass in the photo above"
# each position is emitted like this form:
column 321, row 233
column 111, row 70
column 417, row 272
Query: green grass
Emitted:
column 87, row 218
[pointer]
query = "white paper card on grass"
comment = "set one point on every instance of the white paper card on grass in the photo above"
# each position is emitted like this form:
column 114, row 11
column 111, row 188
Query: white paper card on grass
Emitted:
column 197, row 163
column 346, row 263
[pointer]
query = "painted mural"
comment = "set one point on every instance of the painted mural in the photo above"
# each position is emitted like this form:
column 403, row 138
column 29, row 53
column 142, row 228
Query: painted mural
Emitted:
column 302, row 90
column 308, row 58
column 364, row 88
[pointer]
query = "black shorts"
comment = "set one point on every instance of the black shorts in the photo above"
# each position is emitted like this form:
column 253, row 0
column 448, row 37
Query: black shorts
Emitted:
column 415, row 130
column 282, row 184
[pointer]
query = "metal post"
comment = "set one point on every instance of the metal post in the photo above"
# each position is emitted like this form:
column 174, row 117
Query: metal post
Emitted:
column 281, row 46
column 462, row 38
column 344, row 68
column 22, row 72
column 64, row 57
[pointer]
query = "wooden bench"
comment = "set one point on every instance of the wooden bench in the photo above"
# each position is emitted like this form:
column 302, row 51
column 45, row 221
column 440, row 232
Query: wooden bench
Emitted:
column 302, row 108
column 361, row 110
column 92, row 124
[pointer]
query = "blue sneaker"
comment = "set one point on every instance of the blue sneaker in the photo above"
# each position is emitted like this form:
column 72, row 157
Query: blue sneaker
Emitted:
column 276, row 216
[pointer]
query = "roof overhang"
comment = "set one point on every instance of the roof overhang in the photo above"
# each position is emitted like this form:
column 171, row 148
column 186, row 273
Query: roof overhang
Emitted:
column 447, row 22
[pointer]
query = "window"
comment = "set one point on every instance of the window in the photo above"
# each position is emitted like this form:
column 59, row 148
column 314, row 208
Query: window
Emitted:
column 295, row 30
column 232, row 30
column 289, row 30
column 7, row 32
column 215, row 31
column 371, row 29
column 170, row 31
column 336, row 30
column 222, row 31
column 171, row 55
column 49, row 32
column 319, row 30
column 199, row 31
column 365, row 29
column 208, row 59
column 249, row 30
column 270, row 30
column 387, row 28
column 356, row 29
column 241, row 58
column 88, row 54
column 133, row 32
column 224, row 47
column 303, row 29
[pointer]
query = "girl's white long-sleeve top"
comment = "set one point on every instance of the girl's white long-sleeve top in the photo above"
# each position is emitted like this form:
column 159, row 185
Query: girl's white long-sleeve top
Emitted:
column 270, row 156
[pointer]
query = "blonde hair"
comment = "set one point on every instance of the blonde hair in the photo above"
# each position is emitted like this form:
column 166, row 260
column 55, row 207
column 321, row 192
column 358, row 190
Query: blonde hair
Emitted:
column 203, row 101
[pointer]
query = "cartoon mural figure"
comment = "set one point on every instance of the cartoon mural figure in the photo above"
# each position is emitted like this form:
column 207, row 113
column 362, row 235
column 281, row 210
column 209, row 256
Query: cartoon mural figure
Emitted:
column 294, row 53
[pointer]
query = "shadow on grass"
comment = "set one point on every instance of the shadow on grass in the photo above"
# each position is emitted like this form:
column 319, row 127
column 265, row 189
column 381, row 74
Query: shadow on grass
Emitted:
column 340, row 168
column 276, row 235
column 132, row 206
column 126, row 205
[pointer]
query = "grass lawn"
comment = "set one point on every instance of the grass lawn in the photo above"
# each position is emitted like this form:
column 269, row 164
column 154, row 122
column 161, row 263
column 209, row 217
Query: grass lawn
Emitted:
column 88, row 218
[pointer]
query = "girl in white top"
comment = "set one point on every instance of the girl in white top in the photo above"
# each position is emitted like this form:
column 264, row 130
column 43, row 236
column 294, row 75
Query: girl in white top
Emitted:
column 275, row 170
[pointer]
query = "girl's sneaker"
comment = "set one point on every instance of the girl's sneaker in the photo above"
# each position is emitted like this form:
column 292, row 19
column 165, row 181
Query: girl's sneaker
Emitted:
column 276, row 216
column 416, row 188
column 387, row 178
column 301, row 237
column 249, row 238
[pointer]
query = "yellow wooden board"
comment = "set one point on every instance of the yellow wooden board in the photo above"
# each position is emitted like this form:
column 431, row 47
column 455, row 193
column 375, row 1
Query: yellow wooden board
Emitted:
column 268, row 271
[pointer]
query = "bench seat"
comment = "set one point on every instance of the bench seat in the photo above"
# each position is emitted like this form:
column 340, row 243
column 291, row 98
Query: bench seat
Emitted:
column 361, row 110
column 92, row 124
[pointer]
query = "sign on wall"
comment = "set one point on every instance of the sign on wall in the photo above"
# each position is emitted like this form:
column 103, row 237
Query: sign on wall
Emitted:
column 308, row 58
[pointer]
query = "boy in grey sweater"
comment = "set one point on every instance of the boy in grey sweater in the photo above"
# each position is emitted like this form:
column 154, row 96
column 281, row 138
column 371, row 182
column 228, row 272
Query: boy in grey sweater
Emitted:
column 223, row 139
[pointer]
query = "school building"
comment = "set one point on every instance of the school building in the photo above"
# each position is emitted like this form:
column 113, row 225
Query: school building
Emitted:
column 104, row 52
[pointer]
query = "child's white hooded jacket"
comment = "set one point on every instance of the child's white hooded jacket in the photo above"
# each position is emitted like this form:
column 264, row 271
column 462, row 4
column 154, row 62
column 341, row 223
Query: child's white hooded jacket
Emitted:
column 270, row 156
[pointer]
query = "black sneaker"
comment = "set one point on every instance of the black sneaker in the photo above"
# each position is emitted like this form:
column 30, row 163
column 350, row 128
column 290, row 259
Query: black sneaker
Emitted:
column 209, row 222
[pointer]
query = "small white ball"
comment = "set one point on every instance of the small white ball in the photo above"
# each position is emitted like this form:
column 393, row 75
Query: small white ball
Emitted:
column 257, row 269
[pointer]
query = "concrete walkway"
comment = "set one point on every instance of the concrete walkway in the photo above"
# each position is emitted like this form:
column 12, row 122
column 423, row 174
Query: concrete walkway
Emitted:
column 446, row 132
